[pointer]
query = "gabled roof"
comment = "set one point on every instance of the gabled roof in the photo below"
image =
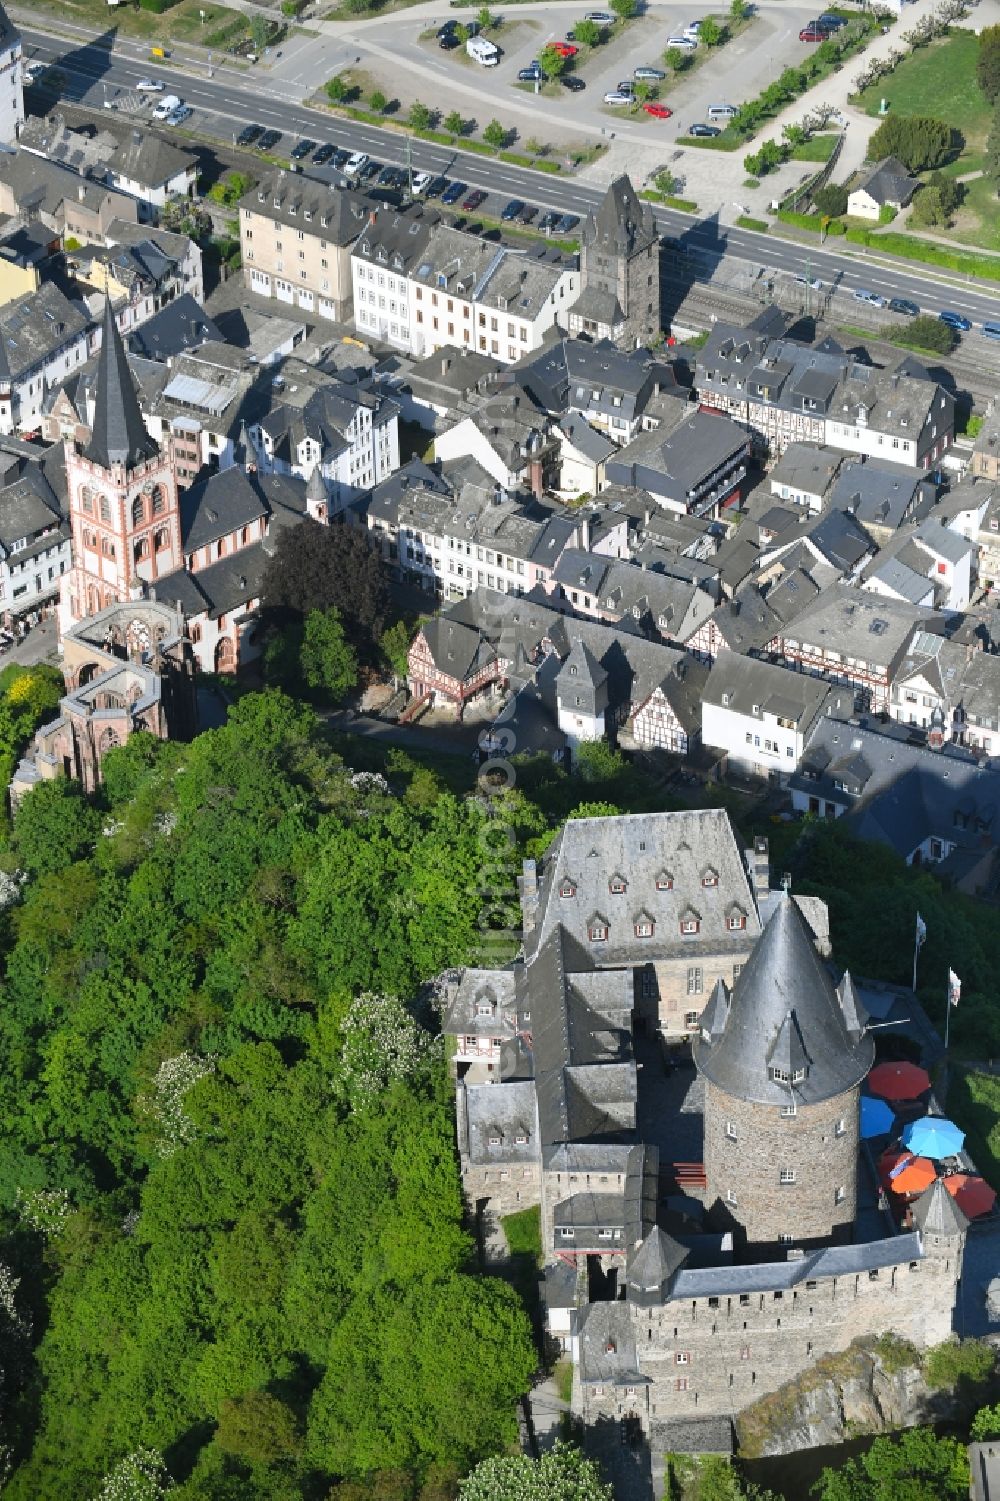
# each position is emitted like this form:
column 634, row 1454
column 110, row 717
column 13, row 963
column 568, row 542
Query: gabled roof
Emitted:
column 583, row 666
column 937, row 1213
column 785, row 1014
column 119, row 435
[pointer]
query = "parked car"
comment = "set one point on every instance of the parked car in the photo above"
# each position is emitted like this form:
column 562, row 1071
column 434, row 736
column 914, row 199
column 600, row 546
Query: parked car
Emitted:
column 872, row 298
column 323, row 154
column 269, row 140
column 302, row 150
column 572, row 82
column 685, row 43
column 549, row 220
column 693, row 30
column 564, row 49
column 179, row 115
column 512, row 209
column 167, row 106
column 813, row 33
column 602, row 17
column 813, row 282
column 419, row 182
column 955, row 321
column 354, row 163
column 33, row 71
column 992, row 330
column 903, row 305
column 454, row 192
column 392, row 177
column 658, row 111
column 532, row 74
column 721, row 111
column 566, row 223
column 368, row 172
column 528, row 213
column 475, row 198
column 831, row 22
column 435, row 187
column 448, row 29
column 249, row 134
column 617, row 97
column 144, row 86
column 700, row 131
column 626, row 86
column 449, row 42
column 654, row 75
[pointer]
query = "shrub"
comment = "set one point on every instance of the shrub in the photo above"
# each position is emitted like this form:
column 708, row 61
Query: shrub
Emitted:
column 985, row 1425
column 746, row 222
column 895, row 1353
column 923, row 332
column 918, row 141
column 988, row 63
column 958, row 1361
column 831, row 200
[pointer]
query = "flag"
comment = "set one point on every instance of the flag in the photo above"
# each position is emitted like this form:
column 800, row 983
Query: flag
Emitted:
column 921, row 931
column 954, row 988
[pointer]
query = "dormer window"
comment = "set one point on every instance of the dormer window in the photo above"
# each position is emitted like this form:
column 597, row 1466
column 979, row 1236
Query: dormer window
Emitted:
column 710, row 878
column 567, row 888
column 778, row 1075
column 496, row 1141
column 644, row 925
column 736, row 921
column 664, row 881
column 521, row 1139
column 484, row 1008
column 597, row 929
column 689, row 926
column 617, row 885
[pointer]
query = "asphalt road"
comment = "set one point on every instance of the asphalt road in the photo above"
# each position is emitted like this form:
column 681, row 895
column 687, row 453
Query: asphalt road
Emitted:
column 226, row 101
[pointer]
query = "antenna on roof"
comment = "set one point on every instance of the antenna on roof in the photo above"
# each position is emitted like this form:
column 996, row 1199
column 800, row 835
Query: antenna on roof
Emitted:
column 786, row 882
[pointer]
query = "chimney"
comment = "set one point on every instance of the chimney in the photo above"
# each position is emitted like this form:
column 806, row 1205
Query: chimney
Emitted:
column 761, row 868
column 137, row 137
column 528, row 884
column 585, row 533
column 535, row 478
column 81, row 192
column 445, row 365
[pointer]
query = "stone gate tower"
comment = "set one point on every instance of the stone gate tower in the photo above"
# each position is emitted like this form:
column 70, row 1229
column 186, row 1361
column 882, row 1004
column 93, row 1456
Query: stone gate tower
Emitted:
column 783, row 1058
column 123, row 497
column 620, row 271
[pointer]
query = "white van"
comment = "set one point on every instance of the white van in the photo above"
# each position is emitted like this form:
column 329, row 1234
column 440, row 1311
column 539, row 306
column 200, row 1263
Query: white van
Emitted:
column 722, row 111
column 483, row 51
column 166, row 106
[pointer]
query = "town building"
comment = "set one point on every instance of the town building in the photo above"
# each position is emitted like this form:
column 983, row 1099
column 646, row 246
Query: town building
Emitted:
column 296, row 237
column 620, row 393
column 73, row 207
column 886, row 185
column 620, row 271
column 696, row 468
column 804, row 474
column 512, row 440
column 928, row 564
column 34, row 533
column 44, row 337
column 153, row 171
column 11, row 81
column 760, row 714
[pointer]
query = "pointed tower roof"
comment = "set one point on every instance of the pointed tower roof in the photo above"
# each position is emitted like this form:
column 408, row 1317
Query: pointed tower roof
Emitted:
column 622, row 221
column 119, row 434
column 855, row 1015
column 316, row 488
column 653, row 1265
column 786, row 1035
column 582, row 666
column 716, row 1013
column 936, row 1213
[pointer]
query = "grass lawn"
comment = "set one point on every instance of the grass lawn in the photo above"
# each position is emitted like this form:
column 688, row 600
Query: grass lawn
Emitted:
column 524, row 1233
column 974, row 1104
column 939, row 81
column 978, row 220
column 819, row 148
column 182, row 23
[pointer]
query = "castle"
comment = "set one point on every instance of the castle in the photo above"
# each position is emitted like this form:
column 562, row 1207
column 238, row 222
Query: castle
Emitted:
column 620, row 271
column 639, row 933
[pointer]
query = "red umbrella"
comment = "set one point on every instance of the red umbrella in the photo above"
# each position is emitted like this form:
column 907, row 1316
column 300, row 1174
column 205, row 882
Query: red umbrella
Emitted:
column 898, row 1081
column 974, row 1196
column 902, row 1173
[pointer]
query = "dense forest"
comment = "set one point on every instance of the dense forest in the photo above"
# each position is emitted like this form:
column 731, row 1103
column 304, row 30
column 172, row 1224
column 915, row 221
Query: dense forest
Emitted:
column 227, row 1172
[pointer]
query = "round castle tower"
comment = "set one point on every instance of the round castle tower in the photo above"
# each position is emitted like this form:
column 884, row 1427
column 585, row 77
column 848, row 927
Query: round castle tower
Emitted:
column 783, row 1058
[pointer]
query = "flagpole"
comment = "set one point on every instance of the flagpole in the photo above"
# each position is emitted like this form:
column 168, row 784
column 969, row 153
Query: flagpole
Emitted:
column 947, row 1020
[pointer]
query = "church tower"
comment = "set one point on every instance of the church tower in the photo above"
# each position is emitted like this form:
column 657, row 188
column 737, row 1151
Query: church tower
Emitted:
column 123, row 497
column 783, row 1058
column 620, row 271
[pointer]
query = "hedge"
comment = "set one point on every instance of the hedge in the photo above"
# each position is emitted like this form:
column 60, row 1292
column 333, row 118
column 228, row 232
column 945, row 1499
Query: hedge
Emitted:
column 727, row 141
column 911, row 249
column 156, row 6
column 745, row 222
column 683, row 205
column 812, row 222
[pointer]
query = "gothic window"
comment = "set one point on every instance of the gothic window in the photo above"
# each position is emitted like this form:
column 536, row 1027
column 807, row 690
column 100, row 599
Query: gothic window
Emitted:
column 159, row 501
column 105, row 507
column 87, row 500
column 107, row 547
column 141, row 549
column 138, row 511
column 108, row 741
column 161, row 540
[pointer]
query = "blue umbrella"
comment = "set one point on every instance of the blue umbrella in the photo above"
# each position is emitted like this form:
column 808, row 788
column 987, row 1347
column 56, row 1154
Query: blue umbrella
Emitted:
column 933, row 1136
column 876, row 1117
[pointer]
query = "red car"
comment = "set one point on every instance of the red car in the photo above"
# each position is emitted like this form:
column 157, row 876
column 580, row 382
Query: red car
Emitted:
column 564, row 49
column 812, row 34
column 658, row 111
column 475, row 198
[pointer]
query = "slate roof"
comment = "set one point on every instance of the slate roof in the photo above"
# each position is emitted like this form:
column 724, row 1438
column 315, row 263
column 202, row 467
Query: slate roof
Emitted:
column 622, row 223
column 863, row 626
column 336, row 215
column 775, row 1276
column 675, row 465
column 888, row 181
column 219, row 589
column 216, row 506
column 746, row 623
column 181, row 324
column 744, row 686
column 150, row 160
column 937, row 1213
column 879, row 493
column 806, row 467
column 119, row 435
column 785, row 1013
column 586, row 439
column 651, row 1267
column 456, row 650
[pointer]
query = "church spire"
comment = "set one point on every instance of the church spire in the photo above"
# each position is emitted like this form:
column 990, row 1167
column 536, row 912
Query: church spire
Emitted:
column 119, row 434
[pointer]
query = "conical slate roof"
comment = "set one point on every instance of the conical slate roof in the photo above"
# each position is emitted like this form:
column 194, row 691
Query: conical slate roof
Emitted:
column 583, row 666
column 786, row 1016
column 716, row 1013
column 316, row 487
column 936, row 1213
column 653, row 1265
column 622, row 222
column 119, row 434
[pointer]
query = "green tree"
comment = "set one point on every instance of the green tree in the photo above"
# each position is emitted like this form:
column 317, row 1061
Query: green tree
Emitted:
column 917, row 1466
column 988, row 63
column 985, row 1425
column 141, row 1476
column 495, row 134
column 552, row 61
column 454, row 123
column 969, row 1361
column 54, row 826
column 928, row 208
column 624, row 9
column 794, row 135
column 676, row 59
column 665, row 182
column 337, row 89
column 924, row 332
column 257, row 1427
column 642, row 92
column 486, row 19
column 395, row 647
column 587, row 33
column 919, row 142
column 992, row 160
column 831, row 200
column 738, row 10
column 260, row 32
column 378, row 101
column 329, row 663
column 598, row 761
column 562, row 1474
column 419, row 116
column 314, row 567
column 712, row 33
